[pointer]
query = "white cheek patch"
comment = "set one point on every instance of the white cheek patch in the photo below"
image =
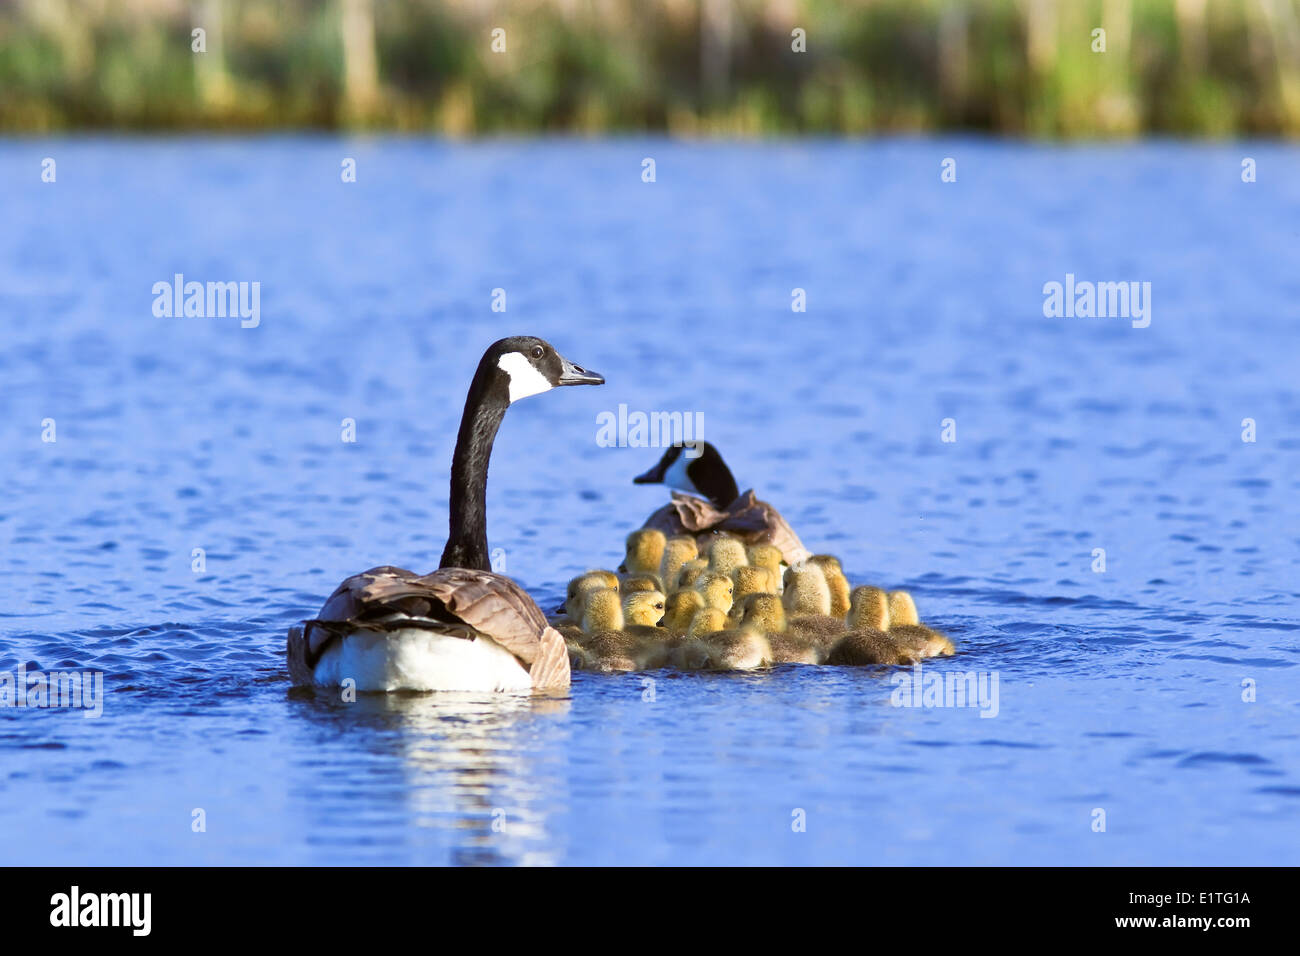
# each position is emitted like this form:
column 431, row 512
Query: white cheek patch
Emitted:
column 525, row 380
column 676, row 477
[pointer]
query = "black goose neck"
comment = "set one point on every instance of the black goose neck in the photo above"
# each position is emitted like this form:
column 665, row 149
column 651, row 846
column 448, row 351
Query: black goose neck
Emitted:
column 485, row 407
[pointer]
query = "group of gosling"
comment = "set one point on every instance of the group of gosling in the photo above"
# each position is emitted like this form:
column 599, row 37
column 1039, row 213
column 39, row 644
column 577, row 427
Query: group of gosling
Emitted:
column 734, row 607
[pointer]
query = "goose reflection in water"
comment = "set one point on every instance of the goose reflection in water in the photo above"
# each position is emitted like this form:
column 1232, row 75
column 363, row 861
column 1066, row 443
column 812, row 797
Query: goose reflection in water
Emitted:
column 465, row 787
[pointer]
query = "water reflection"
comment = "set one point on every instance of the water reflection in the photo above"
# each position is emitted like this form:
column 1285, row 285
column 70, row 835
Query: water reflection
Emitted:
column 451, row 772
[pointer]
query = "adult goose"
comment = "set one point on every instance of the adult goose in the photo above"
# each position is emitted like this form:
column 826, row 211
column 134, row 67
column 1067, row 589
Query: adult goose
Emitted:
column 461, row 627
column 706, row 500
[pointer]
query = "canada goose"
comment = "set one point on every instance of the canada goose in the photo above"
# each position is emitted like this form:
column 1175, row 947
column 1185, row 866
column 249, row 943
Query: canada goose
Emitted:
column 678, row 549
column 461, row 627
column 717, row 589
column 680, row 608
column 836, row 581
column 706, row 499
column 645, row 551
column 906, row 628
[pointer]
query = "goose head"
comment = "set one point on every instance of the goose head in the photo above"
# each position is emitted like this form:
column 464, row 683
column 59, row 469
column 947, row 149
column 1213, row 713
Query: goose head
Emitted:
column 523, row 365
column 695, row 468
column 717, row 589
column 643, row 608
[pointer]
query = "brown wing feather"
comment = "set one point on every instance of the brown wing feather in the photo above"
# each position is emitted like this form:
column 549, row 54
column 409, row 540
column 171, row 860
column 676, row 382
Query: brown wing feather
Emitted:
column 753, row 521
column 484, row 602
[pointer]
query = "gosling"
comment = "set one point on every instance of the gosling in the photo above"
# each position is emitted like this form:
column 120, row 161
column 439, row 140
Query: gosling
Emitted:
column 836, row 581
column 680, row 609
column 678, row 550
column 765, row 612
column 905, row 627
column 717, row 589
column 645, row 551
column 868, row 642
column 807, row 600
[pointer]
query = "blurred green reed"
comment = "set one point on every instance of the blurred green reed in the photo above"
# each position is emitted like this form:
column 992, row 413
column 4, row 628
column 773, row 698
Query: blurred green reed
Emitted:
column 1021, row 67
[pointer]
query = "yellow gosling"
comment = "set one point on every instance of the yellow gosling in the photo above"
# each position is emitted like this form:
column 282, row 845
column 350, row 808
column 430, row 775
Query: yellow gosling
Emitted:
column 793, row 649
column 747, row 580
column 691, row 572
column 680, row 609
column 836, row 581
column 678, row 550
column 603, row 612
column 717, row 589
column 806, row 591
column 868, row 609
column 868, row 642
column 640, row 582
column 574, row 599
column 765, row 612
column 736, row 649
column 645, row 551
column 902, row 609
column 768, row 556
column 906, row 629
column 922, row 641
column 706, row 621
column 612, row 652
column 867, row 648
column 726, row 554
column 643, row 609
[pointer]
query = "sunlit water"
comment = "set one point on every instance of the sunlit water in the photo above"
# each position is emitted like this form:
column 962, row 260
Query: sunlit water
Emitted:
column 1119, row 691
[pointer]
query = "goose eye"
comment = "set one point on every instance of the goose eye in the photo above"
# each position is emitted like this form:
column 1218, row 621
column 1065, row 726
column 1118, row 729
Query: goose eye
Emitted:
column 538, row 351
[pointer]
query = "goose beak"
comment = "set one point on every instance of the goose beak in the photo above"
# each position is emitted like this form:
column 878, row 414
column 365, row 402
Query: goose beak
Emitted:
column 654, row 476
column 572, row 374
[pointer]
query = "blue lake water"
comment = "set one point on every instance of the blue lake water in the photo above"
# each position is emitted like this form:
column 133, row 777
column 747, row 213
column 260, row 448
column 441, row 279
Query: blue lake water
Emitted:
column 1118, row 691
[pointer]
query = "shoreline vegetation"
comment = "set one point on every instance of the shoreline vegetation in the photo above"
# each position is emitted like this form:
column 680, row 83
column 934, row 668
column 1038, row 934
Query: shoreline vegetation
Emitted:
column 1202, row 68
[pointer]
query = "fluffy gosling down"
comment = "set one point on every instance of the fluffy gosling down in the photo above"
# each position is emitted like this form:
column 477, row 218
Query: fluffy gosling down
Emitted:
column 716, row 603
